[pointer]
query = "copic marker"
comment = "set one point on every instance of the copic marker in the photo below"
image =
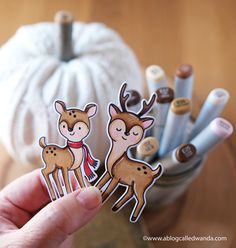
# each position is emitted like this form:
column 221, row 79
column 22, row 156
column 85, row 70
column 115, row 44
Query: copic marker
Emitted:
column 180, row 159
column 212, row 108
column 176, row 123
column 183, row 83
column 217, row 131
column 156, row 78
column 134, row 101
column 147, row 149
column 165, row 96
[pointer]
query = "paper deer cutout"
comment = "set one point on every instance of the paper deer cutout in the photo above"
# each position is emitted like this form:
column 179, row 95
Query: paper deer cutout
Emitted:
column 74, row 126
column 125, row 130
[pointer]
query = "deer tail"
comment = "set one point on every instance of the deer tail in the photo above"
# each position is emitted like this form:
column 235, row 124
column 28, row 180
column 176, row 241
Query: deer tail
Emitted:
column 158, row 171
column 42, row 142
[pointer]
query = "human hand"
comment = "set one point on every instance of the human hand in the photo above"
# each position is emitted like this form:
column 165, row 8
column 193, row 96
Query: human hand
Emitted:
column 29, row 219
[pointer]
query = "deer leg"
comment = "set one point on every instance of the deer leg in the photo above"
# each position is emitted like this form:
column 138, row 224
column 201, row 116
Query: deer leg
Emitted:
column 65, row 175
column 57, row 181
column 103, row 180
column 113, row 184
column 124, row 199
column 46, row 172
column 139, row 192
column 79, row 177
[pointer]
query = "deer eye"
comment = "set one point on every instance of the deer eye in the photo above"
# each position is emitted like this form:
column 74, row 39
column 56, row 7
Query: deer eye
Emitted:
column 118, row 129
column 135, row 133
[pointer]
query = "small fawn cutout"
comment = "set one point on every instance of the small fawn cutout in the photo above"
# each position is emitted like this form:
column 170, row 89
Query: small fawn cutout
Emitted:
column 74, row 156
column 126, row 129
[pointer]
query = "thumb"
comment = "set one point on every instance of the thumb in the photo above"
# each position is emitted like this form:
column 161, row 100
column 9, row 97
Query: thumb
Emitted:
column 52, row 225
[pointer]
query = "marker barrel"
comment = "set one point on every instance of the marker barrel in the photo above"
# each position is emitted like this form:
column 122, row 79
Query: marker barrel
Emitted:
column 184, row 81
column 156, row 78
column 165, row 96
column 180, row 159
column 212, row 108
column 218, row 130
column 134, row 102
column 176, row 124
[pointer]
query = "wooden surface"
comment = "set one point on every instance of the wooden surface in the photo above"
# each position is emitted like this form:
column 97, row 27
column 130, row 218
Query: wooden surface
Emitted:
column 168, row 33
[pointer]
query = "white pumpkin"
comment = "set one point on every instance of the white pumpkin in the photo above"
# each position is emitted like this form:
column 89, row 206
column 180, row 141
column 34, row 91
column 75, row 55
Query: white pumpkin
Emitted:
column 32, row 77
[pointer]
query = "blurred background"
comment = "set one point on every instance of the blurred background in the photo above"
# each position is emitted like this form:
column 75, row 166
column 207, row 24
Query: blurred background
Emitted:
column 167, row 33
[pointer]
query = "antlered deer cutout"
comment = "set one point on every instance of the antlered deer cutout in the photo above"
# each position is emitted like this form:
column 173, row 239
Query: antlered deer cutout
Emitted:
column 74, row 126
column 125, row 130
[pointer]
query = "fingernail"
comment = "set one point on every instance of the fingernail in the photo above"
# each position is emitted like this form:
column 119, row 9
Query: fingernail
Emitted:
column 89, row 197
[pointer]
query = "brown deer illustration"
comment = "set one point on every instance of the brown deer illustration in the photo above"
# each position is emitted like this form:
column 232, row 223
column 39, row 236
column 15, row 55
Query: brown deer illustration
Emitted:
column 74, row 126
column 125, row 130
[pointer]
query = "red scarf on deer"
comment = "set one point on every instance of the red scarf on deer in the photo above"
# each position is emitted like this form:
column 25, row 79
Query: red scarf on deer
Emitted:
column 88, row 159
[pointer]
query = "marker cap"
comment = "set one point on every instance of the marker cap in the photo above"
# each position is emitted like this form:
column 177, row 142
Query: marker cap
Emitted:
column 148, row 146
column 184, row 71
column 181, row 106
column 185, row 152
column 221, row 127
column 134, row 98
column 219, row 96
column 164, row 95
column 155, row 73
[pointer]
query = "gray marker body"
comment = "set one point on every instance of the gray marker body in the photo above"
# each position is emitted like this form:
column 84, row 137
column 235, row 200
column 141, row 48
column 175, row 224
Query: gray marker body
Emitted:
column 160, row 112
column 156, row 78
column 212, row 108
column 184, row 87
column 180, row 159
column 172, row 165
column 165, row 96
column 218, row 130
column 135, row 108
column 173, row 131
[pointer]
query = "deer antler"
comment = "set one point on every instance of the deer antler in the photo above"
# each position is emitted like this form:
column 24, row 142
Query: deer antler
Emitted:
column 147, row 106
column 123, row 97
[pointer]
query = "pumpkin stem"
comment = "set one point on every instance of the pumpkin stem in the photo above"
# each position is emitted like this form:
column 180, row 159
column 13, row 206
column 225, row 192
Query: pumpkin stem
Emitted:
column 64, row 19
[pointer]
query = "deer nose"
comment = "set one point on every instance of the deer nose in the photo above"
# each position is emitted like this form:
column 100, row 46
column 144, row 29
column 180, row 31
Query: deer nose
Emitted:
column 70, row 129
column 127, row 133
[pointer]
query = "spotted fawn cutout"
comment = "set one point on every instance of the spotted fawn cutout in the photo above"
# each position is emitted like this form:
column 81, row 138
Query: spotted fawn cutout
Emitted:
column 126, row 129
column 74, row 126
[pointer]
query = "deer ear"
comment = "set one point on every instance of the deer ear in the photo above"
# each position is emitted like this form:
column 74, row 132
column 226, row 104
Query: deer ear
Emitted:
column 113, row 110
column 60, row 107
column 147, row 122
column 91, row 110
